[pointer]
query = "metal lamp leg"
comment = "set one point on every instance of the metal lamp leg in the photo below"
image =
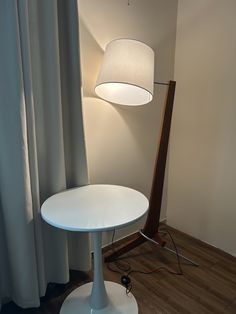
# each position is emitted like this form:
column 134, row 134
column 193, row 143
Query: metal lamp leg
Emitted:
column 168, row 249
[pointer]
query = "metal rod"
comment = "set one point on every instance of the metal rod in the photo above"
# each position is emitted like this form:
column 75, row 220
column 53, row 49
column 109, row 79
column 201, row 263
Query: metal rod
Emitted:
column 182, row 256
column 161, row 83
column 168, row 249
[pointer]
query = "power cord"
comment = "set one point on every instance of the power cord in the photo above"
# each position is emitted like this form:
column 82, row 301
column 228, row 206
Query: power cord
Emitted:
column 164, row 232
column 122, row 267
column 125, row 270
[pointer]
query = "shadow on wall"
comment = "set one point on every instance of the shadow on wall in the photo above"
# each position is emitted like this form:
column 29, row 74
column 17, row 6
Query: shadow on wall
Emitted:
column 91, row 58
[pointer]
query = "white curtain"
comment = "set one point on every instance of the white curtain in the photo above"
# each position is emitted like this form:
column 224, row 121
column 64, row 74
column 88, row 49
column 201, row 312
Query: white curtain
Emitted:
column 42, row 148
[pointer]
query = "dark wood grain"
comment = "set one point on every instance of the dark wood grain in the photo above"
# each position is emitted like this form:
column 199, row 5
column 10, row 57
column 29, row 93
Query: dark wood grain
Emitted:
column 152, row 222
column 209, row 288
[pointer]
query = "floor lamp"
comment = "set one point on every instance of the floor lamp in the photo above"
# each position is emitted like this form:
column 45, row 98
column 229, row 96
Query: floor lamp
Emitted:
column 127, row 78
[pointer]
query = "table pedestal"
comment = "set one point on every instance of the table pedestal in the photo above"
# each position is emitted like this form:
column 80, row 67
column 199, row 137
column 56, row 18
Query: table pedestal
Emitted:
column 99, row 297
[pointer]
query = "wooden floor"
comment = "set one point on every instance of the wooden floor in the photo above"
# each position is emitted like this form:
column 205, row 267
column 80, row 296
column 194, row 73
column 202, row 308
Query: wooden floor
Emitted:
column 209, row 288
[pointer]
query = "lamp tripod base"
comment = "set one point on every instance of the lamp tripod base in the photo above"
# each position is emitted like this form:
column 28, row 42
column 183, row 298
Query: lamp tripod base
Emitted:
column 168, row 249
column 140, row 238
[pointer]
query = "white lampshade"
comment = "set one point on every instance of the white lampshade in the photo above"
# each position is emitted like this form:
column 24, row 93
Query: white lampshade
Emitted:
column 127, row 73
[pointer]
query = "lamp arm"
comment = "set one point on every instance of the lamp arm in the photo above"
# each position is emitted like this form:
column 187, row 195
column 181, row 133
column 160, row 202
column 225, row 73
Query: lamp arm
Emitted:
column 161, row 83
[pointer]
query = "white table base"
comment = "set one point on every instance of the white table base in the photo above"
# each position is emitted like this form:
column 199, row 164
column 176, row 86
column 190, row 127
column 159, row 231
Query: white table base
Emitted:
column 118, row 301
column 99, row 296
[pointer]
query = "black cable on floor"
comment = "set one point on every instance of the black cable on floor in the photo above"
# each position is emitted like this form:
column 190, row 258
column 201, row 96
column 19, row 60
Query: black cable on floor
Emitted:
column 166, row 231
column 124, row 267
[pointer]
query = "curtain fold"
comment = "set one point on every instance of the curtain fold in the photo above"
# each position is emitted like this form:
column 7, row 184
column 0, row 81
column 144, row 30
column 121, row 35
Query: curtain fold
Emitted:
column 42, row 144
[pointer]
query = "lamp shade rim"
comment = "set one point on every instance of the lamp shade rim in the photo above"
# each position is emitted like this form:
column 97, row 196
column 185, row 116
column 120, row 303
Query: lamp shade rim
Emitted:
column 148, row 92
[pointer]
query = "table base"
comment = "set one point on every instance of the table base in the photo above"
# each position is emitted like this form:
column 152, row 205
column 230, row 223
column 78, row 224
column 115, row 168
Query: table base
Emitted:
column 119, row 301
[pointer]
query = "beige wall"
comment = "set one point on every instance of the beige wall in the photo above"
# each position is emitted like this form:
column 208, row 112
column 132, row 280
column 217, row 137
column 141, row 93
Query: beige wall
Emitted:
column 202, row 173
column 121, row 141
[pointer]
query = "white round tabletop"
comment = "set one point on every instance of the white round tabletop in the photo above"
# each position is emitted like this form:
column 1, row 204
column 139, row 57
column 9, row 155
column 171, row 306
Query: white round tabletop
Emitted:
column 96, row 207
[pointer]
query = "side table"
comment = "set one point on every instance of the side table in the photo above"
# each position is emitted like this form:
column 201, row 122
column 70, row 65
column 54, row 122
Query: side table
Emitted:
column 96, row 208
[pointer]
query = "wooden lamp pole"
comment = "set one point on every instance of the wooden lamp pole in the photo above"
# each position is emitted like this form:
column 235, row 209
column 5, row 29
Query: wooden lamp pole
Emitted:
column 152, row 223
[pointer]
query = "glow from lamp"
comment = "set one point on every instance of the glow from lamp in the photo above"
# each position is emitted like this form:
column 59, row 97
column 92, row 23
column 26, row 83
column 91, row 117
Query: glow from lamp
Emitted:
column 127, row 73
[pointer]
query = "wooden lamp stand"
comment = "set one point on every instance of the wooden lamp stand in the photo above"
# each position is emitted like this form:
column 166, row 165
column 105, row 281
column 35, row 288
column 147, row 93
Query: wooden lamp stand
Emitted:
column 152, row 223
column 150, row 230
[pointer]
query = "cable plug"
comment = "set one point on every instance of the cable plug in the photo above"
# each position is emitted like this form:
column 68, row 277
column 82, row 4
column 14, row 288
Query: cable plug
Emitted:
column 125, row 280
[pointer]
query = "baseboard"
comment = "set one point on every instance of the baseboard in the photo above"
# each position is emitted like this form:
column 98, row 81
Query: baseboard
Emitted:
column 163, row 221
column 206, row 244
